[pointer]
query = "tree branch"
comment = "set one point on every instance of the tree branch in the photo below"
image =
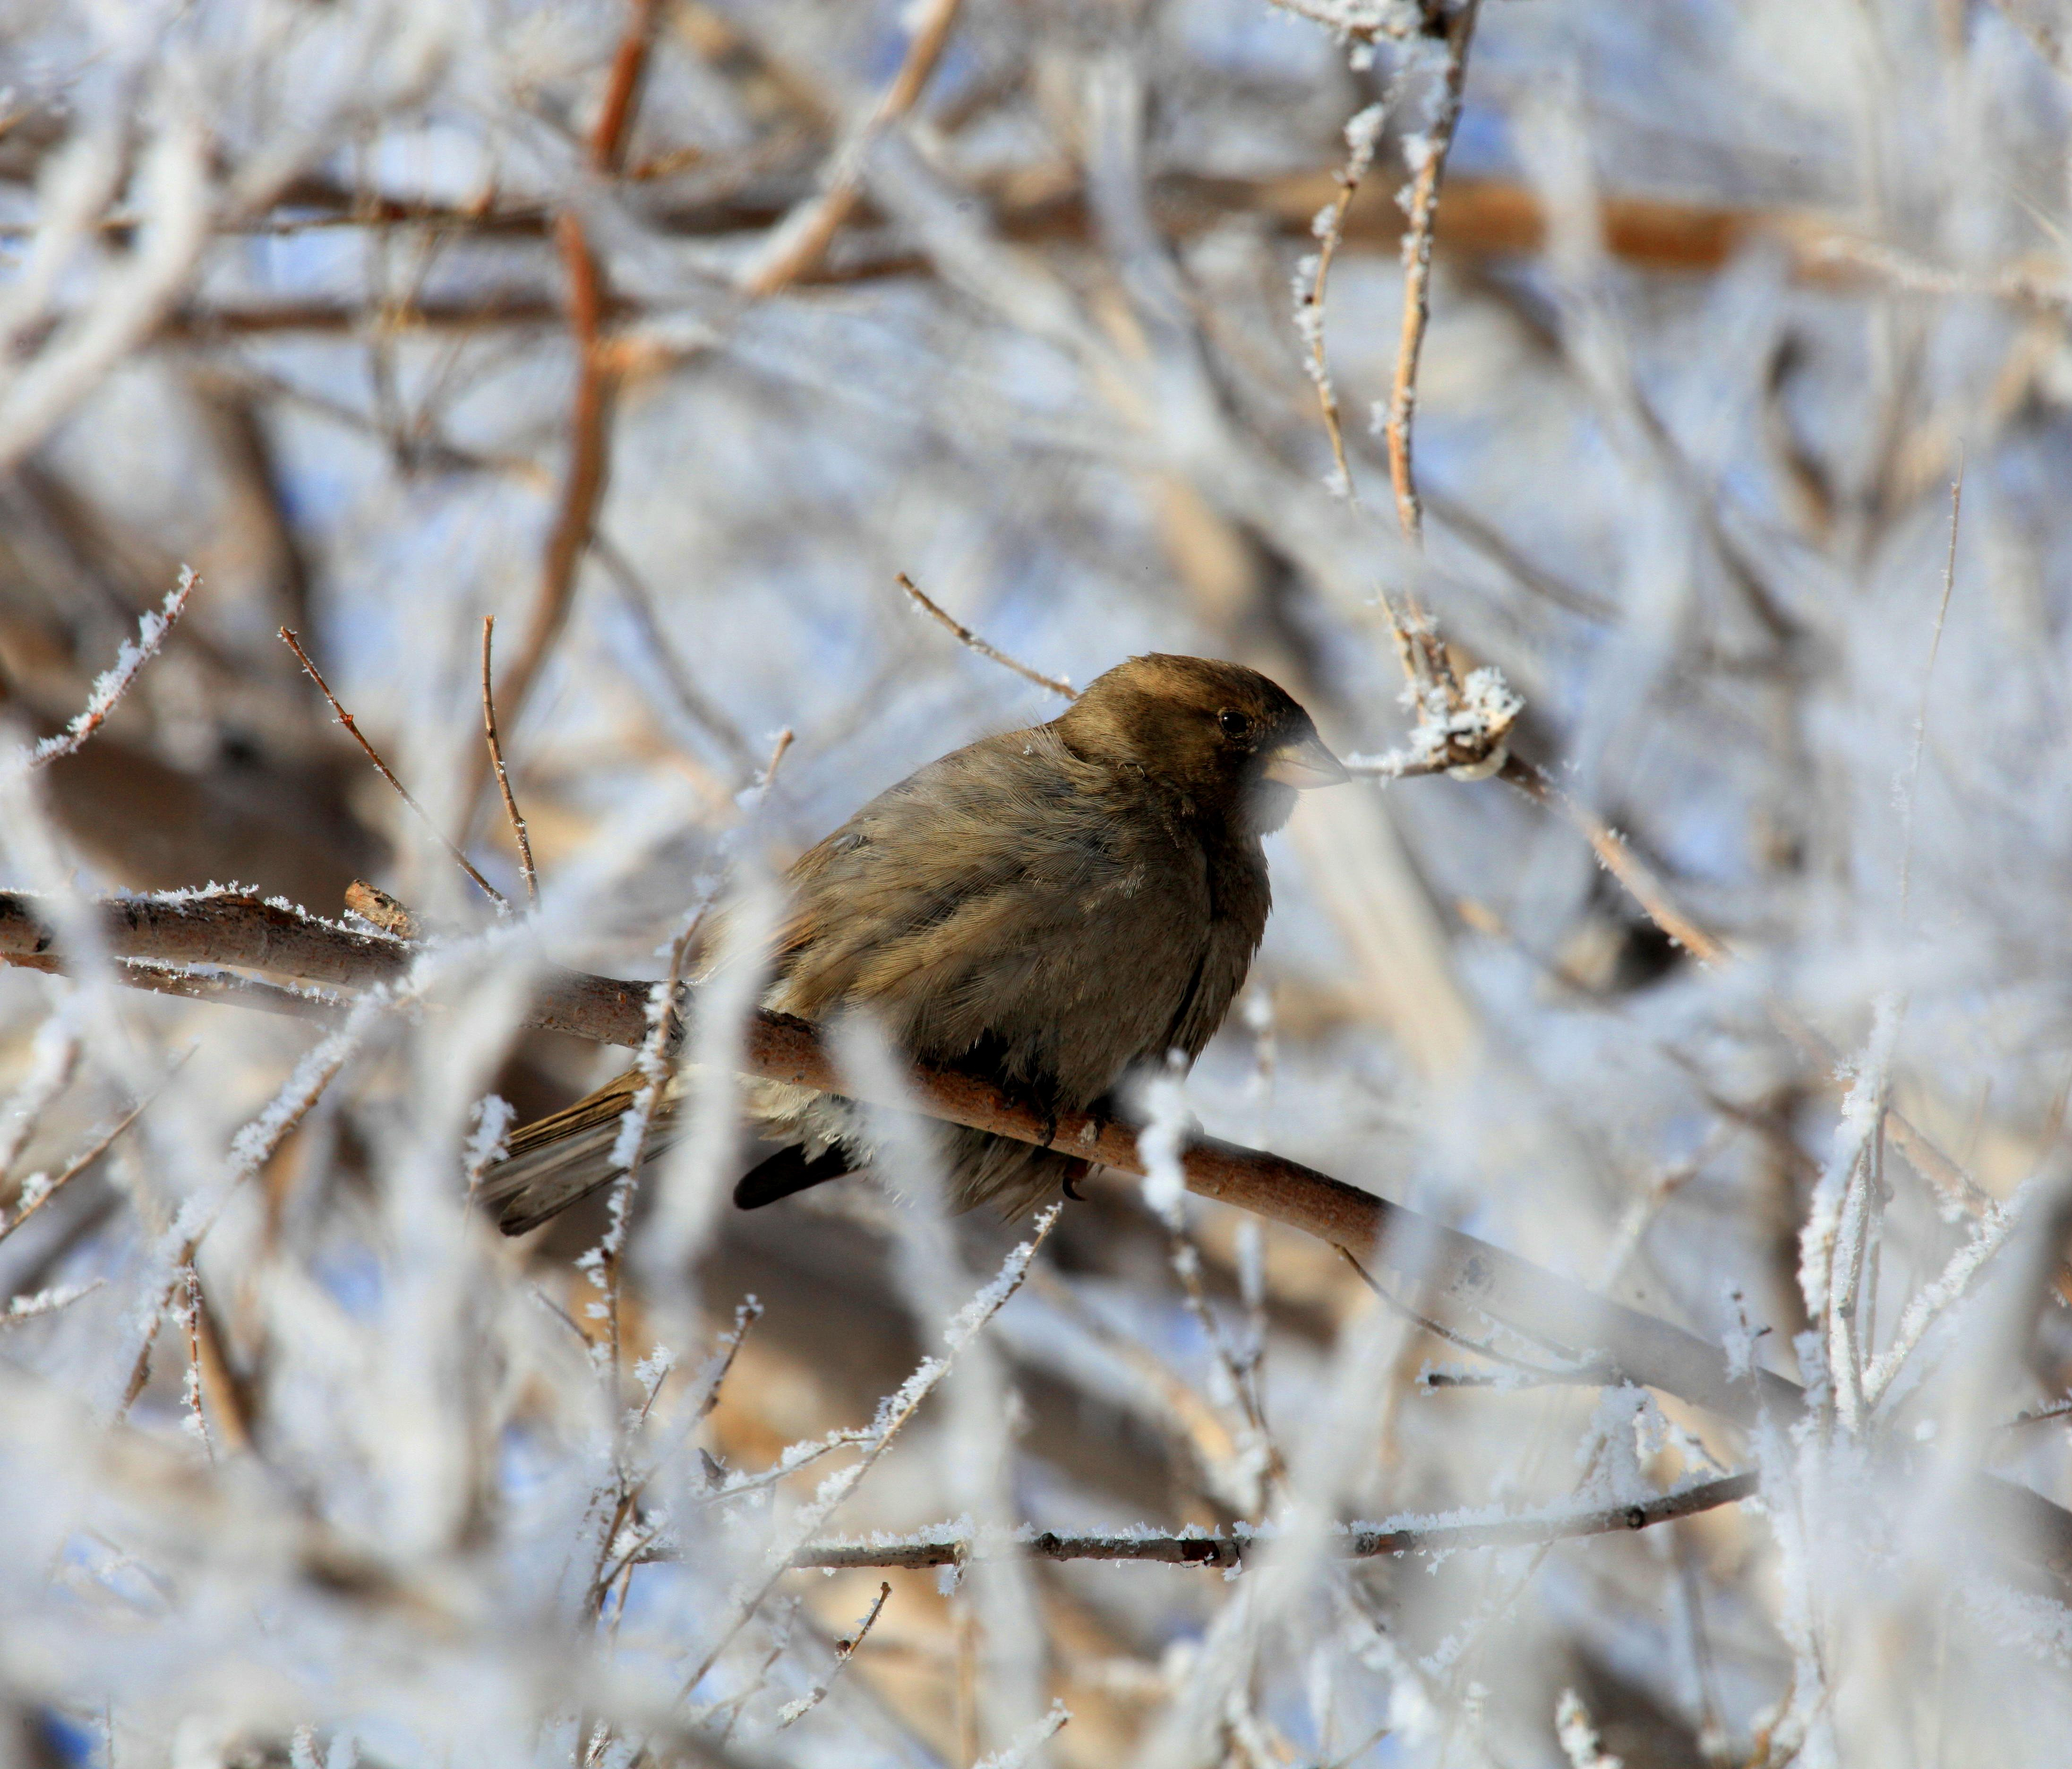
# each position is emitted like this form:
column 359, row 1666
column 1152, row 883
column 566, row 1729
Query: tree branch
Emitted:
column 1525, row 1529
column 1441, row 1265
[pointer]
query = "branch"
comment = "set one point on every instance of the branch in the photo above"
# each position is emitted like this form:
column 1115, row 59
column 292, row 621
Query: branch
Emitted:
column 113, row 683
column 582, row 483
column 1441, row 1265
column 1056, row 685
column 518, row 829
column 381, row 768
column 793, row 247
column 1440, row 1262
column 1525, row 1529
column 1424, row 210
column 590, row 413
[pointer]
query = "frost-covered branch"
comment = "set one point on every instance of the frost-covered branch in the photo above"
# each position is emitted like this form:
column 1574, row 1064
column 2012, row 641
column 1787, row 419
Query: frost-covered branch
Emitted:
column 1447, row 1269
column 114, row 682
column 1356, row 1541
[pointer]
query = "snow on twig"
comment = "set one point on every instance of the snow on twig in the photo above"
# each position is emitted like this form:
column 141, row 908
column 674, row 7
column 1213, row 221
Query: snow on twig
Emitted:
column 46, row 1301
column 893, row 1413
column 1463, row 729
column 113, row 682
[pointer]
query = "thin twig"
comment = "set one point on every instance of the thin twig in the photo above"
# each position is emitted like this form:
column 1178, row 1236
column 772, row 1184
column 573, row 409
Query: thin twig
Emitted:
column 1589, row 1376
column 1907, row 803
column 382, row 768
column 794, row 245
column 583, row 479
column 503, row 779
column 1361, row 133
column 1619, row 859
column 1055, row 685
column 1356, row 1542
column 690, row 699
column 28, row 1205
column 114, row 682
column 778, row 750
column 1424, row 210
column 845, row 1651
column 893, row 1413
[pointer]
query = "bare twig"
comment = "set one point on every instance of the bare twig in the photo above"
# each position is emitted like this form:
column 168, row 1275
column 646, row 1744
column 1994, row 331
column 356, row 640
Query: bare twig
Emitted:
column 779, row 749
column 114, row 682
column 1907, row 802
column 590, row 416
column 622, row 92
column 382, row 768
column 518, row 829
column 1055, row 685
column 582, row 479
column 845, row 1651
column 794, row 245
column 1423, row 209
column 1619, row 859
column 690, row 699
column 1358, row 1542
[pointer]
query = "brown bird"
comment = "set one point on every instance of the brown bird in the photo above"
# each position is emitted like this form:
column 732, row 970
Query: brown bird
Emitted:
column 1049, row 908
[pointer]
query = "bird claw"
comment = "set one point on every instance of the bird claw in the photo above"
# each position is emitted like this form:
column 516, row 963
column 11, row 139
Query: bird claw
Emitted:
column 1070, row 1182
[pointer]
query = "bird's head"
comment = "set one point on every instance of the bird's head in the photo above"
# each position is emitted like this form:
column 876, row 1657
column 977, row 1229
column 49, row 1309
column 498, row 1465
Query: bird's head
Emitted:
column 1226, row 738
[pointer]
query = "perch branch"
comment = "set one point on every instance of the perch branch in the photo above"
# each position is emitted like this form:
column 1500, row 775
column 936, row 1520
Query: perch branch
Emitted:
column 1445, row 1267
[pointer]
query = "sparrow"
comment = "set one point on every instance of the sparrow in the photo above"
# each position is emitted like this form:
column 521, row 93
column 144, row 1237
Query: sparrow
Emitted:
column 1050, row 908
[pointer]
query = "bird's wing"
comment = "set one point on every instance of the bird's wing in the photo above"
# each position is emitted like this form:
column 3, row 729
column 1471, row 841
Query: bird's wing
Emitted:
column 1008, row 896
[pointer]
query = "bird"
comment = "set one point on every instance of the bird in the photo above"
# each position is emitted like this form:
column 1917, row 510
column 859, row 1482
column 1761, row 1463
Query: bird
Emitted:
column 1052, row 909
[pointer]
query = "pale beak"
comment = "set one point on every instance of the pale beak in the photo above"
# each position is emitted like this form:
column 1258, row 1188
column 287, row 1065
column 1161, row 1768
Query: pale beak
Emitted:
column 1303, row 763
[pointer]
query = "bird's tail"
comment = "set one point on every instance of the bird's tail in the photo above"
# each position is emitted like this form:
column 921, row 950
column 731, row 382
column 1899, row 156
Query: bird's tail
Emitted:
column 554, row 1161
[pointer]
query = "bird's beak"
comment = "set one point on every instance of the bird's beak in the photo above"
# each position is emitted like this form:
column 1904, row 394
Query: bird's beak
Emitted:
column 1304, row 762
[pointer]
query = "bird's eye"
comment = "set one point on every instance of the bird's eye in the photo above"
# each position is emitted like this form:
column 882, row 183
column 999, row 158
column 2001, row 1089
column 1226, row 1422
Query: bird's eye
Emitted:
column 1233, row 723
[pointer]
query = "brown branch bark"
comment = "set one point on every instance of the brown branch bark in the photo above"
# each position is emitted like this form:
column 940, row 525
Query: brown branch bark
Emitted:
column 1443, row 1266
